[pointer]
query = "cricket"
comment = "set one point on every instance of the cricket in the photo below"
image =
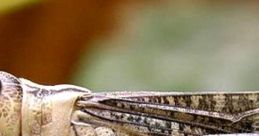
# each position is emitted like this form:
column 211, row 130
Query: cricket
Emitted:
column 31, row 109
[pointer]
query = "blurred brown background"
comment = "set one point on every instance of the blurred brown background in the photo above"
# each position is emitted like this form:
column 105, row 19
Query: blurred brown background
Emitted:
column 43, row 40
column 132, row 44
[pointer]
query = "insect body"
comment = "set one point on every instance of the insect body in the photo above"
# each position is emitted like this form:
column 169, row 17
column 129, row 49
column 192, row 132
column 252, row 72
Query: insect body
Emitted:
column 30, row 109
column 10, row 105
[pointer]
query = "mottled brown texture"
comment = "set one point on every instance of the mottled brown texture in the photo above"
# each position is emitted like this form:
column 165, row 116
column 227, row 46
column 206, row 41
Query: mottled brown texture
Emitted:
column 154, row 113
column 67, row 110
column 10, row 105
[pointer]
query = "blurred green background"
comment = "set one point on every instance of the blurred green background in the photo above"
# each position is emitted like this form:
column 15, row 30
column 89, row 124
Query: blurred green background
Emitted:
column 156, row 45
column 10, row 5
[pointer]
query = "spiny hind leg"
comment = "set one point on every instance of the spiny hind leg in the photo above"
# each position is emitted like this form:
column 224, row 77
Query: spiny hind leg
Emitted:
column 82, row 130
column 88, row 129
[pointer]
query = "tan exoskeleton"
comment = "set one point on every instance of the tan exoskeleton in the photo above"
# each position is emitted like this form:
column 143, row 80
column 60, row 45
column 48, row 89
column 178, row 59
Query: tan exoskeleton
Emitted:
column 30, row 109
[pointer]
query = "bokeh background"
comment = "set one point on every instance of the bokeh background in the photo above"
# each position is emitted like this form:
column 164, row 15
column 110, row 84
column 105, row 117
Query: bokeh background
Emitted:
column 108, row 45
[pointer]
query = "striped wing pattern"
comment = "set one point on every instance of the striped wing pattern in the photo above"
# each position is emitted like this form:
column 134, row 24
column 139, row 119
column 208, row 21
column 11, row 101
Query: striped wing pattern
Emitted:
column 153, row 113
